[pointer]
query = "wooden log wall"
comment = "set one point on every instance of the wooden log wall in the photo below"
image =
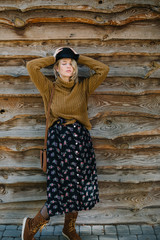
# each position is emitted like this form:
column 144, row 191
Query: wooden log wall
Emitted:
column 124, row 110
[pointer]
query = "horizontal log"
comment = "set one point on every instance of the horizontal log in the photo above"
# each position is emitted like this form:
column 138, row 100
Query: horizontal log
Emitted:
column 124, row 105
column 23, row 193
column 136, row 201
column 122, row 126
column 138, row 142
column 99, row 105
column 96, row 6
column 120, row 215
column 106, row 158
column 51, row 15
column 140, row 30
column 128, row 142
column 110, row 188
column 118, row 70
column 10, row 212
column 25, row 127
column 128, row 159
column 129, row 86
column 14, row 86
column 83, row 46
column 128, row 176
column 113, row 188
column 19, row 106
column 24, row 175
column 131, row 201
column 21, row 159
column 111, row 127
column 15, row 213
column 8, row 176
column 129, row 59
column 15, row 144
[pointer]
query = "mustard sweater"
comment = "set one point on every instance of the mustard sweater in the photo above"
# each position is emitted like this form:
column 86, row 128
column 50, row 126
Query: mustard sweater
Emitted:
column 70, row 99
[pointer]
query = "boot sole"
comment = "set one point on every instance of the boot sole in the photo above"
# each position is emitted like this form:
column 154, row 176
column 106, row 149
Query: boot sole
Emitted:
column 24, row 224
column 65, row 236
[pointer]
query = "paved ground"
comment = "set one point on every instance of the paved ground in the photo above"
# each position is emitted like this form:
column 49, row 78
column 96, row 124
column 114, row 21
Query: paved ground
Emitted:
column 95, row 232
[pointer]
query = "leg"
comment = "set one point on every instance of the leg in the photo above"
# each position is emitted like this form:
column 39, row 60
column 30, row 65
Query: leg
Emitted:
column 32, row 225
column 45, row 213
column 69, row 230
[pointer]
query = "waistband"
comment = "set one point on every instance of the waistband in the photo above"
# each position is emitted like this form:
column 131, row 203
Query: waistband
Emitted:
column 65, row 121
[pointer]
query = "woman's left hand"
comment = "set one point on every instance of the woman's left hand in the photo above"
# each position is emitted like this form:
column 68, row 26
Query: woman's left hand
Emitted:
column 73, row 50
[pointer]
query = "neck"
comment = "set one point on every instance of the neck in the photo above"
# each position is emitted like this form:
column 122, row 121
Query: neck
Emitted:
column 63, row 83
column 65, row 79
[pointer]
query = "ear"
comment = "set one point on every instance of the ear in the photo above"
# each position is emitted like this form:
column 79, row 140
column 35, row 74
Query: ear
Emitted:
column 56, row 68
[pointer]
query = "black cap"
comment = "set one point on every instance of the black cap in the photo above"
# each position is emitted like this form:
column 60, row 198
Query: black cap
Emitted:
column 67, row 53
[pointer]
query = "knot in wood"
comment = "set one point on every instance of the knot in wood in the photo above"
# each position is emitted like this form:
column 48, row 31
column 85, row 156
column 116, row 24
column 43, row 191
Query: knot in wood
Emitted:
column 124, row 146
column 2, row 111
column 19, row 23
column 99, row 19
column 18, row 146
column 105, row 37
column 108, row 122
column 2, row 189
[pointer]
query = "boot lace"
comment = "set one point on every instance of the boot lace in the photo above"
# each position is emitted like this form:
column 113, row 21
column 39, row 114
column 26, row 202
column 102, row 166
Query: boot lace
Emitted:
column 39, row 227
column 72, row 226
column 44, row 225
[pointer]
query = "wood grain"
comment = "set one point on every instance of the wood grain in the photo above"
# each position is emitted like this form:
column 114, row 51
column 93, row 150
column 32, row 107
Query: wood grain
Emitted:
column 137, row 142
column 25, row 175
column 93, row 6
column 106, row 158
column 23, row 86
column 124, row 110
column 136, row 200
column 99, row 106
column 86, row 46
column 138, row 30
column 107, row 216
column 42, row 15
column 111, row 127
column 128, row 142
column 122, row 126
column 121, row 65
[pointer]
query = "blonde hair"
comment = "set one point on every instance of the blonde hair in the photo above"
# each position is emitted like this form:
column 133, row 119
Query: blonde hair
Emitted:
column 74, row 77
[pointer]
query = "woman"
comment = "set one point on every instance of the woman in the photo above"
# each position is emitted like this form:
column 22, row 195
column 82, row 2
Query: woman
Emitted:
column 71, row 166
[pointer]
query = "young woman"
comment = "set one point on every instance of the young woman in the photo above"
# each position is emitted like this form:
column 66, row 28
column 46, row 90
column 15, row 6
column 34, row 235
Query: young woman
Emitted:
column 71, row 165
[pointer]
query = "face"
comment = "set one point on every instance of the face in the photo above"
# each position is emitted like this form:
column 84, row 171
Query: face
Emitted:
column 65, row 68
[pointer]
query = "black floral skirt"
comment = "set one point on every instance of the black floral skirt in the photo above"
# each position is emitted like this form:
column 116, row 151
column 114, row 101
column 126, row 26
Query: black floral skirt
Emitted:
column 71, row 169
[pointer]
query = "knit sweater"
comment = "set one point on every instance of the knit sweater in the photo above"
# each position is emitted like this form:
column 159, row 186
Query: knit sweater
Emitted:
column 70, row 99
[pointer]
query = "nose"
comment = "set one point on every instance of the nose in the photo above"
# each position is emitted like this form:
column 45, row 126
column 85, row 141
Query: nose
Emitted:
column 69, row 66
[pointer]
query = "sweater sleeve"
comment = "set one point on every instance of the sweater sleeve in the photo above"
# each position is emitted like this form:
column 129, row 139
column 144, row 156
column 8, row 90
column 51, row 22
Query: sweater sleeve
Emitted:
column 101, row 71
column 41, row 82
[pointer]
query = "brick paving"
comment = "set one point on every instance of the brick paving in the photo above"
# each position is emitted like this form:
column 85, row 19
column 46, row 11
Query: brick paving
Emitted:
column 88, row 232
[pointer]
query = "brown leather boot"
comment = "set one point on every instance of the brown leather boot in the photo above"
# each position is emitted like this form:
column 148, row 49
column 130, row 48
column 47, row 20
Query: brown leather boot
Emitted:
column 32, row 225
column 69, row 230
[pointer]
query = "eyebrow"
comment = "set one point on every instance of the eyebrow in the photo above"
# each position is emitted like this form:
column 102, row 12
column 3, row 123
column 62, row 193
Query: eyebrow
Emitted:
column 64, row 60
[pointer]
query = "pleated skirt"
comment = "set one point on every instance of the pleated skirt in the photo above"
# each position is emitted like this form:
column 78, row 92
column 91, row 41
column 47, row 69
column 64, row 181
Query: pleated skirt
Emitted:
column 72, row 183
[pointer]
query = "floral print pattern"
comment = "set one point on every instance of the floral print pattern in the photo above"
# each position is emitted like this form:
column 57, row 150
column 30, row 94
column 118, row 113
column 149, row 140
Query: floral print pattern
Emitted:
column 71, row 169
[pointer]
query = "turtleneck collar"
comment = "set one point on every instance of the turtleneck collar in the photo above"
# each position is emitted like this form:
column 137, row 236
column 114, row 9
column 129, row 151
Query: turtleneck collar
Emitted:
column 61, row 83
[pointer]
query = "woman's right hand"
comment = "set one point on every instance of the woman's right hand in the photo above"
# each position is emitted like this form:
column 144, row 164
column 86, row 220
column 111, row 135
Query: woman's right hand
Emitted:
column 57, row 51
